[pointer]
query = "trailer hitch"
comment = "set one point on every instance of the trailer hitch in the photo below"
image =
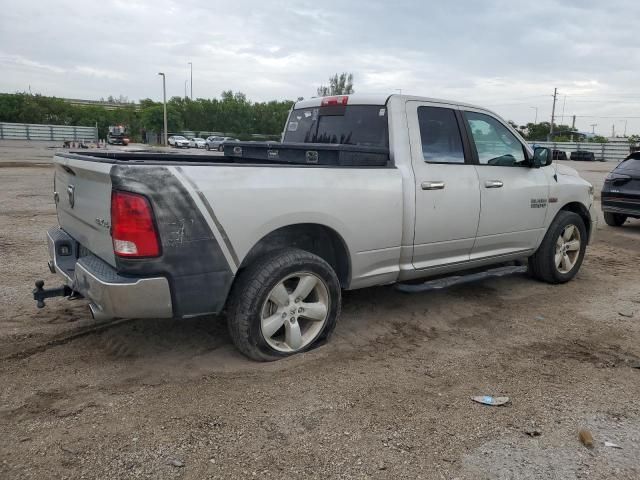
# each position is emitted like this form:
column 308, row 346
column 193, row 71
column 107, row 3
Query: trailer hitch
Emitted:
column 40, row 293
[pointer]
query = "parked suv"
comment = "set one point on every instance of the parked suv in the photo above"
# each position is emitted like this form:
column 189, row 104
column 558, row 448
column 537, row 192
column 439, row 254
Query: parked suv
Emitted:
column 216, row 143
column 363, row 191
column 621, row 192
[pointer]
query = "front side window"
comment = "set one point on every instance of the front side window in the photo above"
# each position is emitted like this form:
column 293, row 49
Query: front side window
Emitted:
column 495, row 144
column 440, row 135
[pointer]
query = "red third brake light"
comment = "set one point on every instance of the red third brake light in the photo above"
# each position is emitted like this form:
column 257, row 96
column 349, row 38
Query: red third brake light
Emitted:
column 339, row 100
column 132, row 227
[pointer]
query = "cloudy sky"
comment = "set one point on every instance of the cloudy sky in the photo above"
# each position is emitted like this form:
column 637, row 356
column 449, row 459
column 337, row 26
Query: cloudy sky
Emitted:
column 506, row 55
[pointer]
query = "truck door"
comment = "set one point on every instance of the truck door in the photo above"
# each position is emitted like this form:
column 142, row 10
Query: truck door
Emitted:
column 446, row 185
column 514, row 196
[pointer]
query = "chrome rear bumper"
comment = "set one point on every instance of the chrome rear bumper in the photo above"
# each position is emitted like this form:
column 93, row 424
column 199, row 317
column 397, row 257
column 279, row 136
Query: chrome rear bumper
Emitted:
column 111, row 295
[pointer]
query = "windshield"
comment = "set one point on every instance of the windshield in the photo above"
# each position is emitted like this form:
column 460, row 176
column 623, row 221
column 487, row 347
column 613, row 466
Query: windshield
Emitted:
column 364, row 125
column 179, row 138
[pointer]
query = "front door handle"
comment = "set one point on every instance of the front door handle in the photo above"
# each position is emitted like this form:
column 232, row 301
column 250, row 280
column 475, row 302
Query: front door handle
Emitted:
column 493, row 184
column 432, row 185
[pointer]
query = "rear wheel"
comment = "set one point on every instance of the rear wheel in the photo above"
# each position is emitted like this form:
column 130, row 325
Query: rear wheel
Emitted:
column 614, row 219
column 561, row 252
column 207, row 147
column 283, row 304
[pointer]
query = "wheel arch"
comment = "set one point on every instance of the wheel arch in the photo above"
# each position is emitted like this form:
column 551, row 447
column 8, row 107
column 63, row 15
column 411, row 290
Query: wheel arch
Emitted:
column 315, row 238
column 580, row 209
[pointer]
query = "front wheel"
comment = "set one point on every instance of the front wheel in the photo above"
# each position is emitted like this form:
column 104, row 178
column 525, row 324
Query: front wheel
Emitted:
column 561, row 252
column 614, row 219
column 283, row 304
column 221, row 148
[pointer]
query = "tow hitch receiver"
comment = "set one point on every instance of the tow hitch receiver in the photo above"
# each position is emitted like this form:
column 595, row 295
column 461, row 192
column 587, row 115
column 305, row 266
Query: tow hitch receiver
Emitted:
column 40, row 293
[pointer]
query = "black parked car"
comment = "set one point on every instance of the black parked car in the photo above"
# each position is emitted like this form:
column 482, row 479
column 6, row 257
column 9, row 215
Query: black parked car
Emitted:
column 559, row 155
column 621, row 192
column 583, row 155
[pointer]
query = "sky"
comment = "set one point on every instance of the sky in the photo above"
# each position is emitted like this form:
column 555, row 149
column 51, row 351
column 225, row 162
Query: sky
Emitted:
column 505, row 55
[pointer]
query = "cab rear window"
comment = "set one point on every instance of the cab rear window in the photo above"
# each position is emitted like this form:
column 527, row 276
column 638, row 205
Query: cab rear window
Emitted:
column 364, row 125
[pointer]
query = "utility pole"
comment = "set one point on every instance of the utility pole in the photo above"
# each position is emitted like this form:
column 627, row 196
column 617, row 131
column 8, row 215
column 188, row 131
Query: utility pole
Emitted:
column 164, row 102
column 191, row 67
column 185, row 89
column 573, row 126
column 535, row 122
column 553, row 113
column 593, row 128
column 613, row 130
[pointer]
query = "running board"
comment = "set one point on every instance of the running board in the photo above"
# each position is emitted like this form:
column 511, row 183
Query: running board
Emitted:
column 446, row 282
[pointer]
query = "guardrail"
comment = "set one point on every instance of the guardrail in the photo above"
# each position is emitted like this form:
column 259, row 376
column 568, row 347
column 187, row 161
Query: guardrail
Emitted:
column 32, row 131
column 609, row 152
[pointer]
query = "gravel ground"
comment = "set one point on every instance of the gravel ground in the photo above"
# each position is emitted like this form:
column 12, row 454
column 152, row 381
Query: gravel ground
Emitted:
column 387, row 397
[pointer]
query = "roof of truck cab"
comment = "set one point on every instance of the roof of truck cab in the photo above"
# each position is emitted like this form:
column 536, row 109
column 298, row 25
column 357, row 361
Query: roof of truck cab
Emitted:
column 381, row 99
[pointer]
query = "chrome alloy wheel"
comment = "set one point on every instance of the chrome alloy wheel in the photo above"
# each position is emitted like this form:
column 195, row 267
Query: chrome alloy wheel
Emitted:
column 567, row 248
column 295, row 312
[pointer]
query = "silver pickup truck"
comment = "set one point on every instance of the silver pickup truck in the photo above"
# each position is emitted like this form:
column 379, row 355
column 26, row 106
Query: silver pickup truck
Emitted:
column 362, row 191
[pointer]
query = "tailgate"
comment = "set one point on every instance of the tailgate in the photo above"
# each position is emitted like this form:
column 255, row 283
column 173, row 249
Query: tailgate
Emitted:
column 83, row 203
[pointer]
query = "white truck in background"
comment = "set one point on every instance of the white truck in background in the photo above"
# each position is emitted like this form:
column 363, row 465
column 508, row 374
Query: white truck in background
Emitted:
column 363, row 191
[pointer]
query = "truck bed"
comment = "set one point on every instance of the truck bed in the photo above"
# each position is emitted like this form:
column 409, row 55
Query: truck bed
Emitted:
column 298, row 154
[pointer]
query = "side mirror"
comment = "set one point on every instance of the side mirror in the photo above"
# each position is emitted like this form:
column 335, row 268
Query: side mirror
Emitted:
column 542, row 157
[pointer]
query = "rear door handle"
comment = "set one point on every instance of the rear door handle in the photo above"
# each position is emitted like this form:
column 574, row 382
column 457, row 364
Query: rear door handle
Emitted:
column 432, row 185
column 493, row 184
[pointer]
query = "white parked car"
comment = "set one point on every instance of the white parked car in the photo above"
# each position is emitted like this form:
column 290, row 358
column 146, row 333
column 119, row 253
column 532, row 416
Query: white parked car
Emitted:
column 197, row 142
column 178, row 141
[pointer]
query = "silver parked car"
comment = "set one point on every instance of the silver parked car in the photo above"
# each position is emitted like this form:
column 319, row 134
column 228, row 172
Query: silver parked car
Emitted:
column 216, row 143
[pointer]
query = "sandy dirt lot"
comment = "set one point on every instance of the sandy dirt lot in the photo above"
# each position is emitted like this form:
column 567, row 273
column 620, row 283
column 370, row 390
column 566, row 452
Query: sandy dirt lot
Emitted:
column 387, row 397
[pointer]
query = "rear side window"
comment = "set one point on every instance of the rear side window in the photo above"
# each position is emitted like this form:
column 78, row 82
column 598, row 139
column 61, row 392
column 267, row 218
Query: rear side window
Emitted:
column 630, row 165
column 440, row 135
column 364, row 125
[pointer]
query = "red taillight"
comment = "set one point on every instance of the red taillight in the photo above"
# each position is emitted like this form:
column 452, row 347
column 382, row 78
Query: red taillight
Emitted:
column 339, row 100
column 132, row 228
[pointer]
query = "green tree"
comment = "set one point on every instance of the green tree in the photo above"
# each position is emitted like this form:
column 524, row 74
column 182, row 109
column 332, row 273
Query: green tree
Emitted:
column 341, row 84
column 233, row 113
column 598, row 139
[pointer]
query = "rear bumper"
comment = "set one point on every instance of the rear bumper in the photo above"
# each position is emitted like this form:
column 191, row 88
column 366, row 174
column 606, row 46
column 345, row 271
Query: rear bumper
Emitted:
column 111, row 294
column 624, row 205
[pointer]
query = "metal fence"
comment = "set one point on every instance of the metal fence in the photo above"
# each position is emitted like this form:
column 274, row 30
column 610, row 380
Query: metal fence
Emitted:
column 609, row 152
column 31, row 131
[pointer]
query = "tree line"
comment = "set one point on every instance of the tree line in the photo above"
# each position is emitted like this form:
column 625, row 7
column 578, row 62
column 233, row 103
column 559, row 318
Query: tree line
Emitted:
column 232, row 113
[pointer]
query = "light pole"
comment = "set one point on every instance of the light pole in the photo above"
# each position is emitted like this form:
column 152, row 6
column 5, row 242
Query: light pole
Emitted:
column 191, row 68
column 535, row 122
column 185, row 89
column 624, row 134
column 164, row 103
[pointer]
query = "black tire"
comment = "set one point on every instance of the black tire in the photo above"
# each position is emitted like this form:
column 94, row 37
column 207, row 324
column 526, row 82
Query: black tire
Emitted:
column 221, row 148
column 207, row 147
column 542, row 265
column 251, row 289
column 614, row 219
